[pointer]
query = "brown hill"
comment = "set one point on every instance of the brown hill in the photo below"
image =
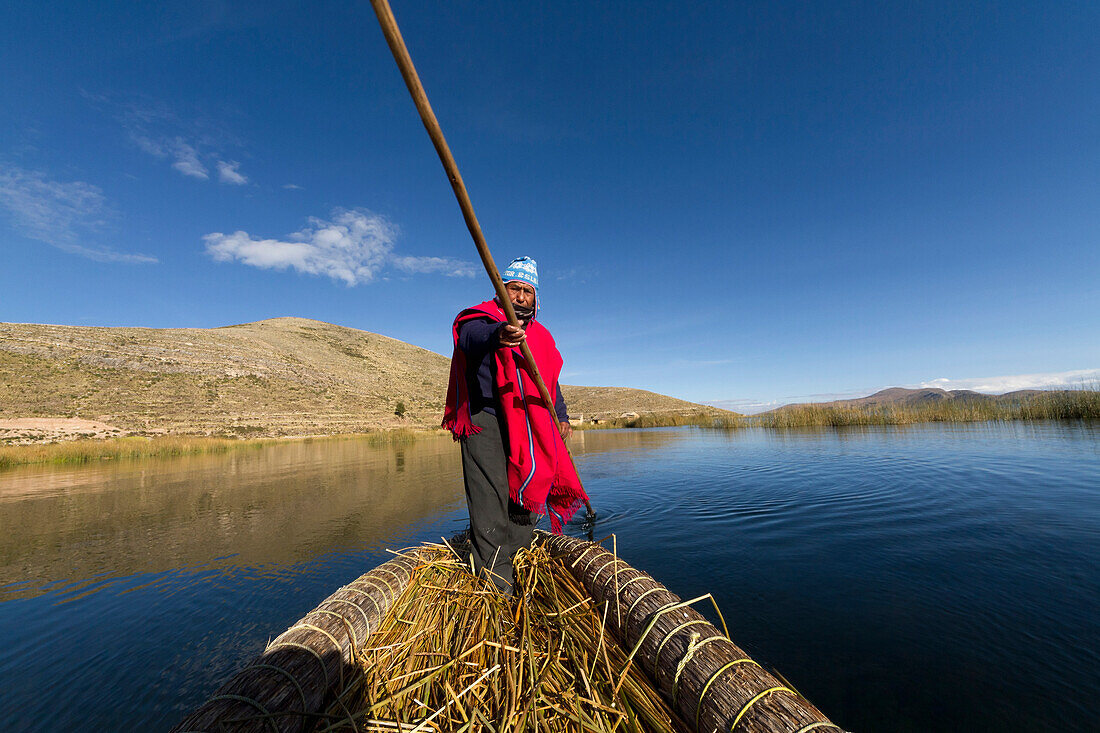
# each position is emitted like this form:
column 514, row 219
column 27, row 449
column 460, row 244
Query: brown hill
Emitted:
column 609, row 402
column 283, row 376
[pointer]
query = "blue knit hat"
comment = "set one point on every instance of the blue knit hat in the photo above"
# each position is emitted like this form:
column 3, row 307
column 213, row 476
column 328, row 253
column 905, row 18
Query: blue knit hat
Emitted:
column 523, row 269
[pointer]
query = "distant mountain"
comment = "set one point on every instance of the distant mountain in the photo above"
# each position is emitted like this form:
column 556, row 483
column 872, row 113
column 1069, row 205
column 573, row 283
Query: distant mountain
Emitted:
column 904, row 397
column 283, row 376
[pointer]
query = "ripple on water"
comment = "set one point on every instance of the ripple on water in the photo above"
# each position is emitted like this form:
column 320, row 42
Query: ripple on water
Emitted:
column 938, row 578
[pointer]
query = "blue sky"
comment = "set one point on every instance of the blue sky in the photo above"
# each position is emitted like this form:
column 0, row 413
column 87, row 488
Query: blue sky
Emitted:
column 740, row 203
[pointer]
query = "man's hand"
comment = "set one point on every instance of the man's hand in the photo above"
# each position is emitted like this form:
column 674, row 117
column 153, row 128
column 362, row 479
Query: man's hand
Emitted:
column 566, row 430
column 511, row 336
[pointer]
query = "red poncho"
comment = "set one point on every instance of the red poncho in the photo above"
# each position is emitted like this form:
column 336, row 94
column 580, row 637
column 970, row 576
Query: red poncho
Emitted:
column 541, row 477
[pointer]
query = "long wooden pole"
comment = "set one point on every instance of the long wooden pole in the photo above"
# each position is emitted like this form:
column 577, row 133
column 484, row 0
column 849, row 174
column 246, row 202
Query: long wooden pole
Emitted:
column 435, row 132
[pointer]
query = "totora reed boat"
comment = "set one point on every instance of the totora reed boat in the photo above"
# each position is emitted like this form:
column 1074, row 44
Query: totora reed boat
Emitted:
column 588, row 643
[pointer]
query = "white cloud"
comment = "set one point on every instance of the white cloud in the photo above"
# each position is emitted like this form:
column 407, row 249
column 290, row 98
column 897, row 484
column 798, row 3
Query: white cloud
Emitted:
column 746, row 407
column 187, row 160
column 56, row 213
column 1011, row 383
column 194, row 146
column 228, row 173
column 354, row 247
column 702, row 362
column 185, row 156
column 445, row 265
column 292, row 187
column 1075, row 379
column 149, row 146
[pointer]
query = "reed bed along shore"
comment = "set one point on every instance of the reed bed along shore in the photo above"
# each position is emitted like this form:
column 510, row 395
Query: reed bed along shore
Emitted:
column 1062, row 405
column 136, row 447
column 456, row 655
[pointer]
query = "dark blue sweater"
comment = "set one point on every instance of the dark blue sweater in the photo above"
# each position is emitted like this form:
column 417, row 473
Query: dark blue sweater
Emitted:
column 478, row 338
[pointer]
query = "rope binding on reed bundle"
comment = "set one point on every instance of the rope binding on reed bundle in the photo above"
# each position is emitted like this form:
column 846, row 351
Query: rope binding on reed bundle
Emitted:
column 703, row 675
column 589, row 644
column 299, row 673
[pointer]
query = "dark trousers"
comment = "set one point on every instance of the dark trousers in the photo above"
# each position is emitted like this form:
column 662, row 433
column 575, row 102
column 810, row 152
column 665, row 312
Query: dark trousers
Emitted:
column 498, row 527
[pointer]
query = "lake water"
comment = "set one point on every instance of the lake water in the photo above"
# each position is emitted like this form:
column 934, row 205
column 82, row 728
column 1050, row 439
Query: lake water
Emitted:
column 927, row 578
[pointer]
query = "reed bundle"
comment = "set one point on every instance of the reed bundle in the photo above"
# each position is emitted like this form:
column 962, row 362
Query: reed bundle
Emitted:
column 709, row 680
column 284, row 689
column 456, row 655
column 588, row 643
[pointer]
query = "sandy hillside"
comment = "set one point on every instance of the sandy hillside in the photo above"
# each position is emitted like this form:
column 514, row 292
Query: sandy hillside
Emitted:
column 284, row 376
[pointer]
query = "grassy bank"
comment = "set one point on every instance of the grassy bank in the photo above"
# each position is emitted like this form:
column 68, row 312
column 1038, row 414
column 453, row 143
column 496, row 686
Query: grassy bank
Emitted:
column 87, row 451
column 1063, row 405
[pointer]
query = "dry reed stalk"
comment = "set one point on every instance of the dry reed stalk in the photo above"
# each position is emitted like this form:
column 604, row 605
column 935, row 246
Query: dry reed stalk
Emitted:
column 456, row 655
column 421, row 644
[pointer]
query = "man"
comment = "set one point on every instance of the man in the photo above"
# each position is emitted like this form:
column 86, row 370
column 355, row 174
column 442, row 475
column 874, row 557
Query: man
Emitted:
column 514, row 461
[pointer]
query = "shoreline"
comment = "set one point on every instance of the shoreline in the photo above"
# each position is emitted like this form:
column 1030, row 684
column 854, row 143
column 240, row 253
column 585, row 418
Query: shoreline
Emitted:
column 1071, row 405
column 1062, row 405
column 164, row 446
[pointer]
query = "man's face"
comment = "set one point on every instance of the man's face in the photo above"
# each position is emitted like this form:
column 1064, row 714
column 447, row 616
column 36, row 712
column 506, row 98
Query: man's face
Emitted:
column 521, row 294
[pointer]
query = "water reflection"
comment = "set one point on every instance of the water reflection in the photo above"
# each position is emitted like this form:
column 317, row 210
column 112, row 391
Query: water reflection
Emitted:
column 896, row 575
column 586, row 442
column 280, row 505
column 275, row 505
